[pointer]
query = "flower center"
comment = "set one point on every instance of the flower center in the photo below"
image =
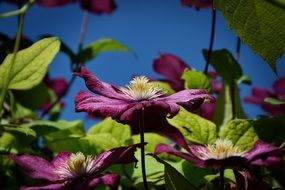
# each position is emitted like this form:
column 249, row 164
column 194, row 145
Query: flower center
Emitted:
column 141, row 89
column 76, row 166
column 220, row 149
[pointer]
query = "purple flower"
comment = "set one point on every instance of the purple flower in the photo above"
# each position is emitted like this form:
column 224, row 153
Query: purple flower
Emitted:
column 124, row 103
column 198, row 4
column 95, row 6
column 259, row 95
column 172, row 67
column 223, row 154
column 75, row 171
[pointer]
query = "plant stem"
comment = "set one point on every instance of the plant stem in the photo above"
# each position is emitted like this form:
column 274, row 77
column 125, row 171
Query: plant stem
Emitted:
column 20, row 11
column 141, row 129
column 15, row 50
column 233, row 98
column 238, row 49
column 83, row 30
column 213, row 27
column 222, row 171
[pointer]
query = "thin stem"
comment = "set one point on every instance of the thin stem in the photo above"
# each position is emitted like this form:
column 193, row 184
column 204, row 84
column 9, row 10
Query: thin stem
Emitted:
column 15, row 51
column 141, row 129
column 222, row 179
column 213, row 27
column 83, row 30
column 232, row 94
column 238, row 49
column 20, row 11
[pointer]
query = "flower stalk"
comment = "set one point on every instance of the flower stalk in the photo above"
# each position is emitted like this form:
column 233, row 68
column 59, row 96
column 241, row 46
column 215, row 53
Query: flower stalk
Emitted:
column 222, row 178
column 141, row 129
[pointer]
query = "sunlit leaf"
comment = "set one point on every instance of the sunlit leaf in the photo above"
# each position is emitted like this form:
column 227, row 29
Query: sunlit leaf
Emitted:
column 259, row 23
column 240, row 132
column 30, row 65
column 274, row 101
column 102, row 45
column 165, row 87
column 195, row 80
column 194, row 128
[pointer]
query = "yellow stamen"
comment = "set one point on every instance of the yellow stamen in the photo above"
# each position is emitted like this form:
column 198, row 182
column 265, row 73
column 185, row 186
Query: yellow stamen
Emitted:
column 141, row 89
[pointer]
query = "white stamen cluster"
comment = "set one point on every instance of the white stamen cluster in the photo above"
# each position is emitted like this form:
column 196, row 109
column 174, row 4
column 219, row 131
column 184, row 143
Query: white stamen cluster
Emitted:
column 76, row 166
column 220, row 149
column 141, row 89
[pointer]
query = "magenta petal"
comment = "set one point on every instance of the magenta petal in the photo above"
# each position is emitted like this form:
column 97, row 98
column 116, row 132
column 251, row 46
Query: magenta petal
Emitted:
column 279, row 86
column 61, row 158
column 54, row 186
column 99, row 105
column 121, row 155
column 53, row 3
column 207, row 110
column 34, row 166
column 264, row 154
column 97, row 86
column 99, row 6
column 58, row 85
column 111, row 180
column 198, row 4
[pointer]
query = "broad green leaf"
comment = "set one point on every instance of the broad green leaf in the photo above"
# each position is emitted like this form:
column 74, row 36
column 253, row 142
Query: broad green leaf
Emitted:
column 274, row 101
column 58, row 129
column 164, row 86
column 22, row 112
column 102, row 45
column 122, row 133
column 15, row 136
column 194, row 128
column 33, row 98
column 270, row 129
column 225, row 64
column 152, row 140
column 258, row 23
column 224, row 106
column 30, row 65
column 195, row 80
column 173, row 179
column 228, row 175
column 240, row 132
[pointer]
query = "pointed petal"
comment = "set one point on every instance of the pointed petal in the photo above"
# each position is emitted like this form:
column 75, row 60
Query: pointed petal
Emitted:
column 121, row 155
column 53, row 3
column 60, row 159
column 279, row 86
column 111, row 180
column 34, row 166
column 99, row 7
column 99, row 87
column 54, row 186
column 99, row 105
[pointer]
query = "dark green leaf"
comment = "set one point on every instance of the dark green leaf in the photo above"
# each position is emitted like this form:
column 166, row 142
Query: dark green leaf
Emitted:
column 240, row 132
column 258, row 23
column 30, row 65
column 194, row 128
column 102, row 45
column 195, row 80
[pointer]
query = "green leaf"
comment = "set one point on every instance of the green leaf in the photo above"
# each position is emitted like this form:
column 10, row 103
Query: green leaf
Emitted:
column 30, row 65
column 270, row 129
column 173, row 179
column 152, row 140
column 274, row 101
column 15, row 136
column 258, row 23
column 102, row 45
column 195, row 80
column 164, row 86
column 194, row 128
column 240, row 132
column 122, row 133
column 224, row 107
column 225, row 64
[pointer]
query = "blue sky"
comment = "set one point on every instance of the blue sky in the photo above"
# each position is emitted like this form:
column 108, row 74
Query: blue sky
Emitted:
column 148, row 28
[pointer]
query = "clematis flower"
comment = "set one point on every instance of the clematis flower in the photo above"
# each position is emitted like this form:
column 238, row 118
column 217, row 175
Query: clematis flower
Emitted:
column 172, row 67
column 259, row 95
column 75, row 171
column 198, row 4
column 223, row 154
column 124, row 103
column 94, row 6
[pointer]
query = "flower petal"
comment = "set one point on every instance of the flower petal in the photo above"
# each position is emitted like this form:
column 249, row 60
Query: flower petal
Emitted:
column 99, row 6
column 53, row 186
column 198, row 4
column 121, row 155
column 264, row 154
column 279, row 86
column 111, row 180
column 53, row 3
column 61, row 158
column 99, row 105
column 34, row 166
column 99, row 87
